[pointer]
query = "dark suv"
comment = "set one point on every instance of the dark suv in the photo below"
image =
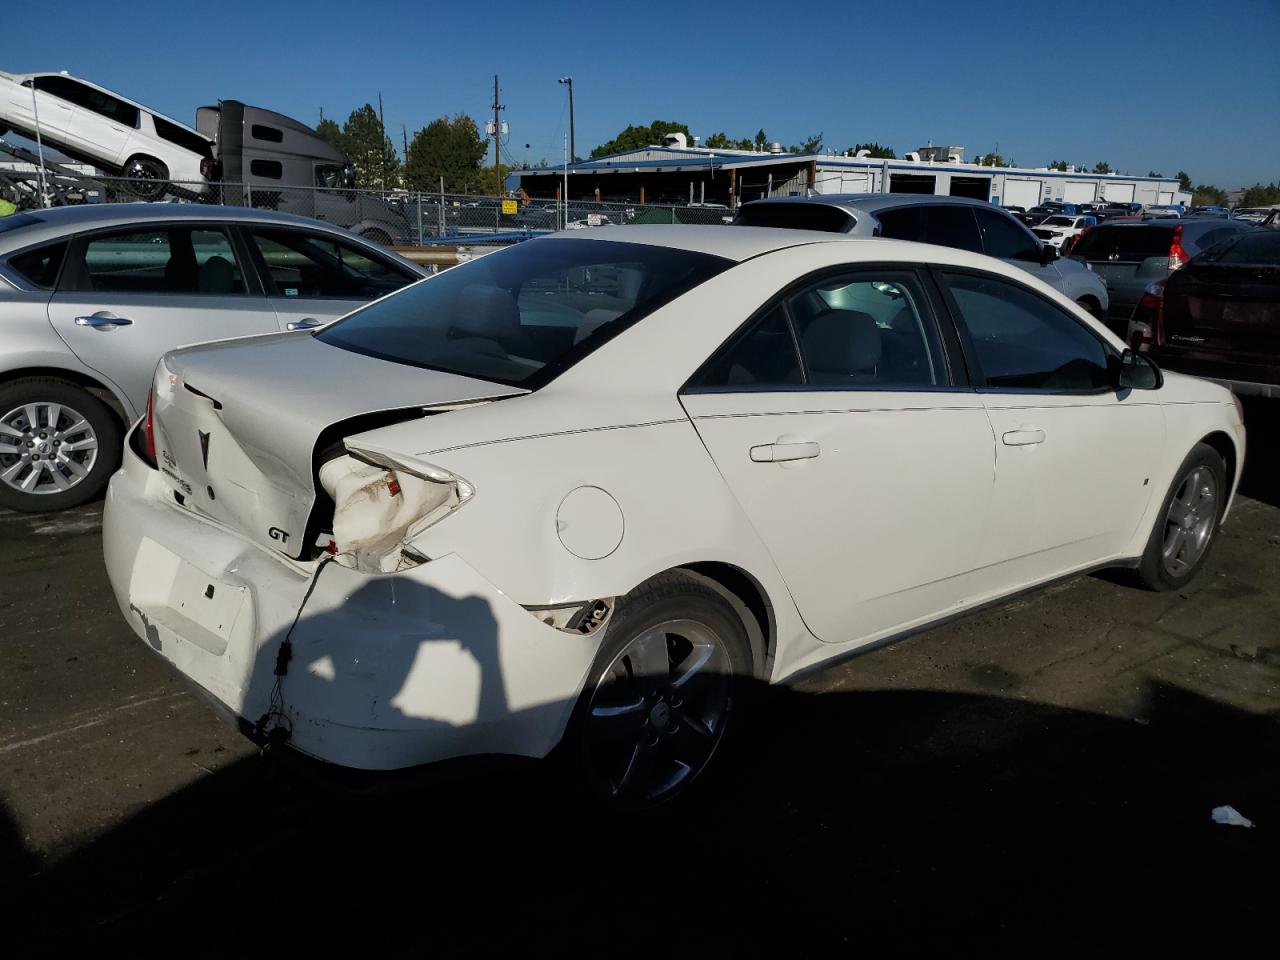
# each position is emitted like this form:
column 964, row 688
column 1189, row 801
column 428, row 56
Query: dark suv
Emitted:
column 973, row 225
column 1131, row 254
column 1219, row 316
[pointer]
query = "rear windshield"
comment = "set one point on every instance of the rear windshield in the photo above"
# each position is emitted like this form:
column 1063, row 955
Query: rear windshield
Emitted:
column 523, row 316
column 796, row 216
column 1261, row 247
column 1125, row 243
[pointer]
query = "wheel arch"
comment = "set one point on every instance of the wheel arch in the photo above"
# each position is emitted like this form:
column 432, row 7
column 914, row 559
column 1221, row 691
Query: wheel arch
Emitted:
column 746, row 594
column 1226, row 448
column 96, row 387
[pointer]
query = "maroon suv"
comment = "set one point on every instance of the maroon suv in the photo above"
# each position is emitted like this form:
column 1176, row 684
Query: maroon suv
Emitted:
column 1219, row 316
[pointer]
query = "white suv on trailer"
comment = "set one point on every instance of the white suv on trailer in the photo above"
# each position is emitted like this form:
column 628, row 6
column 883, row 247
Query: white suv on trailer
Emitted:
column 95, row 125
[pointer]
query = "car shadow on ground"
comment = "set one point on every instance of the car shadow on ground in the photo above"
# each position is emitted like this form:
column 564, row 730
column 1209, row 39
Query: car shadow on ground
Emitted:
column 906, row 820
column 1261, row 479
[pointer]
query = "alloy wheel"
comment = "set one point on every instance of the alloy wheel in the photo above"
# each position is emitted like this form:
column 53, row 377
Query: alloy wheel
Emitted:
column 658, row 711
column 46, row 448
column 1190, row 521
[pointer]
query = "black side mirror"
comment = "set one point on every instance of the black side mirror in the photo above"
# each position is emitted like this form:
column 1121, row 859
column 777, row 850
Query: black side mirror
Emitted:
column 1136, row 371
column 1048, row 254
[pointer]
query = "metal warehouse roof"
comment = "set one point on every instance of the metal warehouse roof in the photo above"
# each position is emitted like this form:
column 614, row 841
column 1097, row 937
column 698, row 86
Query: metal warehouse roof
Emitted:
column 673, row 159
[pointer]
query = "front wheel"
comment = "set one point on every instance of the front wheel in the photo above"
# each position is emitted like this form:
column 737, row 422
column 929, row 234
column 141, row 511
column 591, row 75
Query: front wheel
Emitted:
column 59, row 445
column 661, row 694
column 1188, row 521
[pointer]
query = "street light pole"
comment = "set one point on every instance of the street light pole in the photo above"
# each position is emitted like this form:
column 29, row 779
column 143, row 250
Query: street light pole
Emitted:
column 573, row 148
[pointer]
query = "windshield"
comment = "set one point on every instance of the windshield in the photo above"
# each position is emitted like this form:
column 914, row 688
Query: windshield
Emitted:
column 1060, row 222
column 524, row 315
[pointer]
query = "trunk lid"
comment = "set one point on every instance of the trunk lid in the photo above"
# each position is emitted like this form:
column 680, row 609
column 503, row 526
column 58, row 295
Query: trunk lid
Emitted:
column 1127, row 257
column 238, row 424
column 1228, row 310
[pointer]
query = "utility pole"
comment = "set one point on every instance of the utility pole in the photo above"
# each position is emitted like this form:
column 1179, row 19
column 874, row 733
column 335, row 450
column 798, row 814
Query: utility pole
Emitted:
column 573, row 147
column 404, row 133
column 497, row 136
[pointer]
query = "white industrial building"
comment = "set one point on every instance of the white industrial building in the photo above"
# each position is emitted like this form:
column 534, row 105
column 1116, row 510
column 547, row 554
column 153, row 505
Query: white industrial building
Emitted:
column 678, row 173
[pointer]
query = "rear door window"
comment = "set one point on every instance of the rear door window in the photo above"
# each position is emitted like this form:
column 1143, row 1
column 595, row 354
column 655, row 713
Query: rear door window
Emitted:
column 159, row 260
column 952, row 226
column 906, row 223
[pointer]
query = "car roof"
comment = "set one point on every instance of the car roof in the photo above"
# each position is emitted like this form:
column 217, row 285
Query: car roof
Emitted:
column 732, row 243
column 873, row 202
column 58, row 222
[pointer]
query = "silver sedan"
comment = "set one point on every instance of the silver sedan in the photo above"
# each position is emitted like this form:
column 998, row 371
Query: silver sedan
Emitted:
column 90, row 297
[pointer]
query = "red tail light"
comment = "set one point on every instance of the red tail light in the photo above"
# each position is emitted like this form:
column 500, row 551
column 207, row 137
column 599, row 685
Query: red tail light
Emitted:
column 1177, row 255
column 1147, row 325
column 149, row 428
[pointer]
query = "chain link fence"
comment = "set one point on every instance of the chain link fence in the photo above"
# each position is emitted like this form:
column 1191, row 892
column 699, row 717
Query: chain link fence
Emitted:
column 389, row 218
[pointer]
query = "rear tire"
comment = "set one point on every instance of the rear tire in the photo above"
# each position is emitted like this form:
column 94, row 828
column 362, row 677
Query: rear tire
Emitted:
column 147, row 176
column 59, row 445
column 661, row 695
column 1187, row 524
column 380, row 237
column 1092, row 306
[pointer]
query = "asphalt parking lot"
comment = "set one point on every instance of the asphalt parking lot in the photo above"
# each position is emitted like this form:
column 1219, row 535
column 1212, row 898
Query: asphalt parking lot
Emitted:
column 1032, row 777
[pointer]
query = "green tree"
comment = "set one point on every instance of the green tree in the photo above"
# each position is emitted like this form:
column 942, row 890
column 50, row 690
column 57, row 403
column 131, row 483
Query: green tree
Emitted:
column 1261, row 196
column 873, row 150
column 990, row 160
column 1059, row 165
column 1153, row 173
column 452, row 149
column 635, row 137
column 331, row 131
column 1207, row 195
column 762, row 140
column 491, row 183
column 1184, row 180
column 1102, row 167
column 718, row 141
column 812, row 145
column 371, row 151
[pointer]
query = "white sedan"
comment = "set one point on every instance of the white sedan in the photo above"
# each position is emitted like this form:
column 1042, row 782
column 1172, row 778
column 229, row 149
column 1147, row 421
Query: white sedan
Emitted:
column 1061, row 228
column 581, row 490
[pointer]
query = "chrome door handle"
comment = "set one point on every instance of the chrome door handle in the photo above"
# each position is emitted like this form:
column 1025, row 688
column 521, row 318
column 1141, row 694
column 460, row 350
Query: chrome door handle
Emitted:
column 103, row 319
column 781, row 452
column 305, row 324
column 1025, row 437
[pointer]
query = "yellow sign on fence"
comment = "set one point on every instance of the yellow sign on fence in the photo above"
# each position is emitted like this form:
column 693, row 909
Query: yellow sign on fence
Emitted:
column 508, row 208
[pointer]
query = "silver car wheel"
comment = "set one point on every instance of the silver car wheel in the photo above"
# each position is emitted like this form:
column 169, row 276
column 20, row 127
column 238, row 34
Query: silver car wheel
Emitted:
column 658, row 711
column 46, row 448
column 1190, row 521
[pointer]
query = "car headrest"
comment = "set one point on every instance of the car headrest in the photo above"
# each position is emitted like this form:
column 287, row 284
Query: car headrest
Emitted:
column 487, row 312
column 842, row 342
column 217, row 275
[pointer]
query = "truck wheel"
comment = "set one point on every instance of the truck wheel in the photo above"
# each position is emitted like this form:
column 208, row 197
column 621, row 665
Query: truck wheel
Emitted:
column 59, row 445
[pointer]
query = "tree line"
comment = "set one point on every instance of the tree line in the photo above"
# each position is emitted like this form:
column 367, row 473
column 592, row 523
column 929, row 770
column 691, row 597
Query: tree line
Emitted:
column 448, row 147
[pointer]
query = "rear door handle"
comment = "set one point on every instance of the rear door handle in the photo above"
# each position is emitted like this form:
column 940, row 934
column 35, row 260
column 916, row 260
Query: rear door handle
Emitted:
column 103, row 318
column 1025, row 437
column 781, row 452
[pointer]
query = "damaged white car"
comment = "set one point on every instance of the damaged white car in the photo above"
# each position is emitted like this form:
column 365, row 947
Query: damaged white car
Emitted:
column 577, row 491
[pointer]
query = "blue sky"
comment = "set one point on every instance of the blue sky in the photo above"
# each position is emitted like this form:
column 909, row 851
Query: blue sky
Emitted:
column 1165, row 86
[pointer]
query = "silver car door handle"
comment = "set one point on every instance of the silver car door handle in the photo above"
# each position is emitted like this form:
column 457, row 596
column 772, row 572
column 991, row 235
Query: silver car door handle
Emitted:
column 103, row 319
column 780, row 452
column 1025, row 437
column 304, row 324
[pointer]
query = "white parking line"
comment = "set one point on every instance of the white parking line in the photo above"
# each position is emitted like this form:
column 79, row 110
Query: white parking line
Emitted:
column 93, row 721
